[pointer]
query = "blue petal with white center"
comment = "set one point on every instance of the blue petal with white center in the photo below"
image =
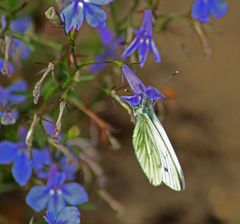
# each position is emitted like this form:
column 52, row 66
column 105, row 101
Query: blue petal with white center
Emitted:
column 74, row 14
column 143, row 41
column 56, row 195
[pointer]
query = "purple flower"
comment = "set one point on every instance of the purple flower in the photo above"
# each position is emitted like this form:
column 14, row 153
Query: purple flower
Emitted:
column 17, row 154
column 139, row 90
column 111, row 44
column 10, row 97
column 68, row 215
column 44, row 160
column 43, row 163
column 74, row 14
column 56, row 194
column 144, row 41
column 202, row 9
column 18, row 47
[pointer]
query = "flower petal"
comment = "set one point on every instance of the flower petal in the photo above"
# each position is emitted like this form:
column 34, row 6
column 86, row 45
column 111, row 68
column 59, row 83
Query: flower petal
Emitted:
column 4, row 94
column 131, row 48
column 41, row 160
column 147, row 22
column 155, row 51
column 200, row 10
column 22, row 169
column 49, row 218
column 73, row 17
column 19, row 87
column 69, row 215
column 133, row 100
column 135, row 83
column 56, row 202
column 218, row 8
column 94, row 15
column 38, row 198
column 153, row 94
column 100, row 2
column 21, row 25
column 8, row 152
column 106, row 35
column 74, row 194
column 143, row 51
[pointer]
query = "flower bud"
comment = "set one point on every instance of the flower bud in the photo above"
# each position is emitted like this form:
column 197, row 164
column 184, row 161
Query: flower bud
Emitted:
column 52, row 15
column 8, row 118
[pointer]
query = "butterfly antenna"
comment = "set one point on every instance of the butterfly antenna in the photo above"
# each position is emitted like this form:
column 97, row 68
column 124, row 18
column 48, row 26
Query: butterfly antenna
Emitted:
column 170, row 77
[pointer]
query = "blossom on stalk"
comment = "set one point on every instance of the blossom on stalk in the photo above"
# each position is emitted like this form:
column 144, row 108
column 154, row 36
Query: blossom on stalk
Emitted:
column 203, row 9
column 139, row 90
column 144, row 41
column 9, row 98
column 17, row 153
column 56, row 194
column 44, row 160
column 111, row 45
column 67, row 215
column 75, row 13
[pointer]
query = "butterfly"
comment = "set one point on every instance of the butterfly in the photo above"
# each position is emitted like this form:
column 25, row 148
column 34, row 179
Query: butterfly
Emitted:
column 154, row 150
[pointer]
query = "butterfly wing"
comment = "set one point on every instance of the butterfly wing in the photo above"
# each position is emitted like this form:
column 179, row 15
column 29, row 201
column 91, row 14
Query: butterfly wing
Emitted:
column 146, row 148
column 171, row 171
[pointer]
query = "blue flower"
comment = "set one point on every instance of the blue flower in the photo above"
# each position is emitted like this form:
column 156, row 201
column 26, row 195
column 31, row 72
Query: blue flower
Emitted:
column 144, row 41
column 139, row 90
column 202, row 9
column 18, row 47
column 56, row 194
column 74, row 14
column 17, row 154
column 44, row 160
column 9, row 98
column 67, row 215
column 111, row 45
column 43, row 163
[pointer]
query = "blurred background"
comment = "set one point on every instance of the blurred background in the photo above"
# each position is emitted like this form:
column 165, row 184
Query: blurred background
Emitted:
column 202, row 121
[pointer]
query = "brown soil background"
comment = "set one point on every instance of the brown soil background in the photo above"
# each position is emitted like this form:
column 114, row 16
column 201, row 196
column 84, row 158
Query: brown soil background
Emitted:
column 203, row 124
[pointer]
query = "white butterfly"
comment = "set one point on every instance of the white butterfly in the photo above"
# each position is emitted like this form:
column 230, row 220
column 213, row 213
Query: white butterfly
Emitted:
column 154, row 150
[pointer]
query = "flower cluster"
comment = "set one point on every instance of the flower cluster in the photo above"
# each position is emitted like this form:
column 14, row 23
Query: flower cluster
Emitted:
column 50, row 155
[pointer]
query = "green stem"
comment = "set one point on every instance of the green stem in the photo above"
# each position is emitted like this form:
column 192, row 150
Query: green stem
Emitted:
column 36, row 40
